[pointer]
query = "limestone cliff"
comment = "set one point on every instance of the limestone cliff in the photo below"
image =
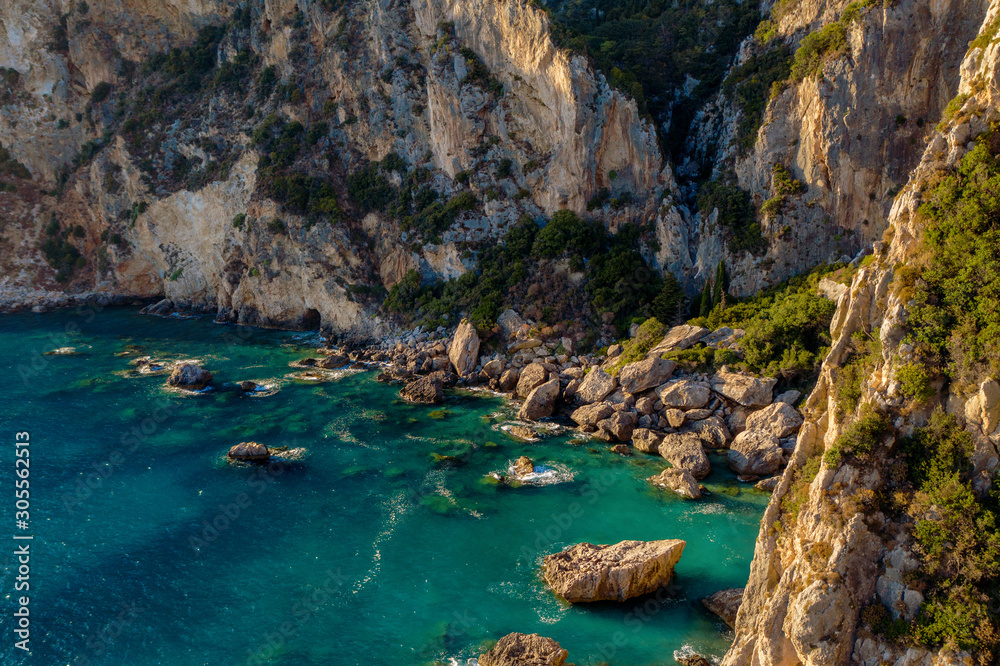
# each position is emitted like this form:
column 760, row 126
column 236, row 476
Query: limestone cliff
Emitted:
column 139, row 130
column 826, row 549
column 852, row 132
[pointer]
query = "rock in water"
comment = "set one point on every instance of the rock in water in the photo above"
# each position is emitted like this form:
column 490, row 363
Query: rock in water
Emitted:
column 426, row 390
column 680, row 481
column 756, row 453
column 524, row 650
column 249, row 451
column 747, row 391
column 248, row 386
column 464, row 349
column 524, row 466
column 587, row 572
column 646, row 374
column 334, row 361
column 189, row 376
column 725, row 604
column 684, row 450
column 692, row 660
column 646, row 440
column 541, row 402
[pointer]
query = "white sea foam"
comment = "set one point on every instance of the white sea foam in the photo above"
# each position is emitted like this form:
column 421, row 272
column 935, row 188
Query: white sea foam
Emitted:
column 543, row 475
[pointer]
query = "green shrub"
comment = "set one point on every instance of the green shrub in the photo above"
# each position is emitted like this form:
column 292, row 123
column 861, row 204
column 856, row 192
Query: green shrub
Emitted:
column 635, row 349
column 815, row 48
column 751, row 86
column 370, row 190
column 276, row 226
column 567, row 235
column 914, row 382
column 736, row 214
column 784, row 184
column 100, row 92
column 11, row 167
column 773, row 206
column 859, row 439
column 239, row 220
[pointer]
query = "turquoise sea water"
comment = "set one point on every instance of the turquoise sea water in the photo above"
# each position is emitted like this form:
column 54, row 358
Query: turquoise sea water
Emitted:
column 384, row 545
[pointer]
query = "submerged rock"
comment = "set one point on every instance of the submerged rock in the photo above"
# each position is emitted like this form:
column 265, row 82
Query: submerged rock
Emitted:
column 680, row 481
column 254, row 451
column 190, row 376
column 588, row 572
column 248, row 386
column 334, row 361
column 426, row 390
column 692, row 660
column 725, row 604
column 523, row 466
column 524, row 650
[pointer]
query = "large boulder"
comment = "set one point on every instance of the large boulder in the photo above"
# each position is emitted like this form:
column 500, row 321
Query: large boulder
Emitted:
column 691, row 660
column 426, row 390
column 779, row 419
column 254, row 451
column 646, row 440
column 680, row 481
column 679, row 337
column 589, row 415
column 755, row 453
column 596, row 386
column 725, row 604
column 743, row 389
column 532, row 376
column 333, row 361
column 646, row 374
column 541, row 402
column 588, row 572
column 618, row 427
column 684, row 450
column 712, row 431
column 523, row 466
column 524, row 650
column 684, row 394
column 189, row 376
column 509, row 323
column 509, row 379
column 464, row 349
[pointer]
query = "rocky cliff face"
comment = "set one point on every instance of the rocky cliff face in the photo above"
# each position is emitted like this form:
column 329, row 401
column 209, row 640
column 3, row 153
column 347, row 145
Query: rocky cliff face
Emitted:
column 825, row 551
column 851, row 132
column 155, row 180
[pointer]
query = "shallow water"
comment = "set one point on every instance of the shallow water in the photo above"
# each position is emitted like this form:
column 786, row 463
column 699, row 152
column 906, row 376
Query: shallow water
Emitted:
column 387, row 543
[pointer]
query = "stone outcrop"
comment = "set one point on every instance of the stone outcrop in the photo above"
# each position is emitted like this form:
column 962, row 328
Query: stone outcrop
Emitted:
column 596, row 386
column 646, row 374
column 523, row 466
column 190, row 376
column 677, row 480
column 684, row 394
column 590, row 415
column 464, row 349
column 678, row 338
column 779, row 419
column 541, row 402
column 532, row 376
column 588, row 572
column 524, row 650
column 746, row 390
column 646, row 440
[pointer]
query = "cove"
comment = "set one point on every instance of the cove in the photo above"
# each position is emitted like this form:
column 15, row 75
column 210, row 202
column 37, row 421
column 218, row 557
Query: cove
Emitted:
column 387, row 543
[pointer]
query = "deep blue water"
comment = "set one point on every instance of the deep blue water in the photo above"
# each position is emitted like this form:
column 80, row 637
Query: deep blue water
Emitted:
column 386, row 544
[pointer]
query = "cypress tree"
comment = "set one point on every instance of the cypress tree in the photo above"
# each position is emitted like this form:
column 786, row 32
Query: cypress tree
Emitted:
column 706, row 300
column 721, row 284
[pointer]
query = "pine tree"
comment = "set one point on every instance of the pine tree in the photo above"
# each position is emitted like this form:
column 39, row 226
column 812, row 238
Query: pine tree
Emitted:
column 670, row 298
column 706, row 300
column 721, row 285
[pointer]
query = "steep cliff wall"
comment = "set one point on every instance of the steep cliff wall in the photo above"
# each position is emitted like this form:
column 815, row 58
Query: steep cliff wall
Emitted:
column 157, row 158
column 852, row 131
column 828, row 546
